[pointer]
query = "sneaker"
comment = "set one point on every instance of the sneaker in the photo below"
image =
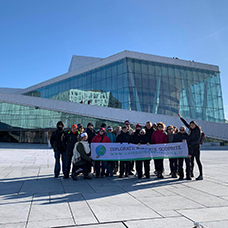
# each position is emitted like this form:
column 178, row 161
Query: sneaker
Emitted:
column 130, row 173
column 120, row 176
column 181, row 178
column 188, row 178
column 174, row 175
column 160, row 176
column 56, row 176
column 199, row 178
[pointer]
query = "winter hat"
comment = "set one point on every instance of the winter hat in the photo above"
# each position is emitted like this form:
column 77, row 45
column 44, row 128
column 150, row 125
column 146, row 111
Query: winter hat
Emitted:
column 109, row 128
column 60, row 123
column 103, row 125
column 80, row 126
column 89, row 124
column 74, row 125
column 138, row 125
column 102, row 129
column 83, row 134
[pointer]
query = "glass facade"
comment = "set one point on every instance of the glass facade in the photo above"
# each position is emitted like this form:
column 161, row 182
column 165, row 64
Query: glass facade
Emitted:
column 29, row 124
column 145, row 86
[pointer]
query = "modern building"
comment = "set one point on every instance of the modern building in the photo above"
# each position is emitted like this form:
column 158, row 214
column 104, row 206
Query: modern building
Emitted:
column 127, row 85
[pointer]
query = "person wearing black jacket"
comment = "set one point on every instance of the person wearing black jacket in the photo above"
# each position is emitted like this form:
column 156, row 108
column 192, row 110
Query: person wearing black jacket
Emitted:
column 182, row 136
column 194, row 145
column 136, row 139
column 143, row 139
column 90, row 131
column 68, row 142
column 124, row 137
column 149, row 131
column 56, row 143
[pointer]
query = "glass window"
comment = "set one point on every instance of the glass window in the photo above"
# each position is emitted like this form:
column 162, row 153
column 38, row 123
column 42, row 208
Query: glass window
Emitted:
column 137, row 66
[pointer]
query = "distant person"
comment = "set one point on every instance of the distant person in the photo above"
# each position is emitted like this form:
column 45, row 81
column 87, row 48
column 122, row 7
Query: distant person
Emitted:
column 175, row 129
column 89, row 102
column 182, row 136
column 111, row 165
column 117, row 130
column 149, row 128
column 135, row 139
column 155, row 126
column 100, row 138
column 127, row 124
column 80, row 129
column 172, row 161
column 194, row 145
column 124, row 137
column 139, row 137
column 56, row 141
column 159, row 137
column 90, row 131
column 68, row 142
column 149, row 131
column 103, row 125
column 81, row 157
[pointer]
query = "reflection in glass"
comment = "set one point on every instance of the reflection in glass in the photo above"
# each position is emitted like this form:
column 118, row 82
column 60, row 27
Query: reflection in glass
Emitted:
column 145, row 86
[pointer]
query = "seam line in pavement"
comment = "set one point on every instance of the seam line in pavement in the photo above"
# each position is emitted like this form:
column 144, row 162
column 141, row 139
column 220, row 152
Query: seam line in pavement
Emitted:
column 90, row 208
column 30, row 208
column 142, row 203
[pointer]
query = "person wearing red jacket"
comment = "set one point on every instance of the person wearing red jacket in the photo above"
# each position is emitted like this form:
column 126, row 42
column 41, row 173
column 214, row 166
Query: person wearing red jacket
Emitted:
column 100, row 138
column 159, row 137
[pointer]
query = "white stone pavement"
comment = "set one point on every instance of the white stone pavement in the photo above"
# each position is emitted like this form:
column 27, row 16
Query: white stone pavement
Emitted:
column 31, row 197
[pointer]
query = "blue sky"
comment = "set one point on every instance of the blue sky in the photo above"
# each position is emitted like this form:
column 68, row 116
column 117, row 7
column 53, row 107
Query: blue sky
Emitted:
column 38, row 38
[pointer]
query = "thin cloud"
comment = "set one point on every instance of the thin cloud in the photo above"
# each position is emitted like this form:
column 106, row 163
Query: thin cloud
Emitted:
column 214, row 34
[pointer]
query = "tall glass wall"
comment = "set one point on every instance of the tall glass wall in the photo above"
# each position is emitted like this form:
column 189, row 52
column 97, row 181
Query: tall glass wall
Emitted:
column 23, row 117
column 145, row 86
column 31, row 125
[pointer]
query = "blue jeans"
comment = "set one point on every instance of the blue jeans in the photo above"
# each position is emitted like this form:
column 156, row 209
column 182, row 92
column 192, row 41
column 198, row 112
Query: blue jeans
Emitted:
column 57, row 155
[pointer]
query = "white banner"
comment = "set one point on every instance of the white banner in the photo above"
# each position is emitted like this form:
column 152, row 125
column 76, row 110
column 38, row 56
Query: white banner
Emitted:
column 125, row 151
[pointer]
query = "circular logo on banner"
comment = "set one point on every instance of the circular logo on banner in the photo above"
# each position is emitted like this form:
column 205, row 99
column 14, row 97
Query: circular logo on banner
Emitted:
column 100, row 150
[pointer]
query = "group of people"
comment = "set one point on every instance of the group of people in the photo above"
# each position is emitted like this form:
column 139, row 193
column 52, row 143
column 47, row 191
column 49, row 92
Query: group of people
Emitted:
column 73, row 148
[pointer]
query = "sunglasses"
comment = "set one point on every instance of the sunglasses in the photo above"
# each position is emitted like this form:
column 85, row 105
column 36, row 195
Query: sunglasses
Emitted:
column 160, row 126
column 181, row 130
column 169, row 129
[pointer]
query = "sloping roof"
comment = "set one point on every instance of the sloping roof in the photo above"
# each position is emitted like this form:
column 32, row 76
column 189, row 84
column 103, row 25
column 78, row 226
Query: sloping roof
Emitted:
column 211, row 129
column 80, row 61
column 119, row 56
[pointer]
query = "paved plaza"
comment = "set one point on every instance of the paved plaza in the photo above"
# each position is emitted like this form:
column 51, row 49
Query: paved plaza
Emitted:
column 30, row 196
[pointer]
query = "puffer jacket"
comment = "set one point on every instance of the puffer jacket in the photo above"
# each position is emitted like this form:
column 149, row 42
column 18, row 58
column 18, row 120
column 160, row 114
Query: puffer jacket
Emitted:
column 101, row 138
column 159, row 137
